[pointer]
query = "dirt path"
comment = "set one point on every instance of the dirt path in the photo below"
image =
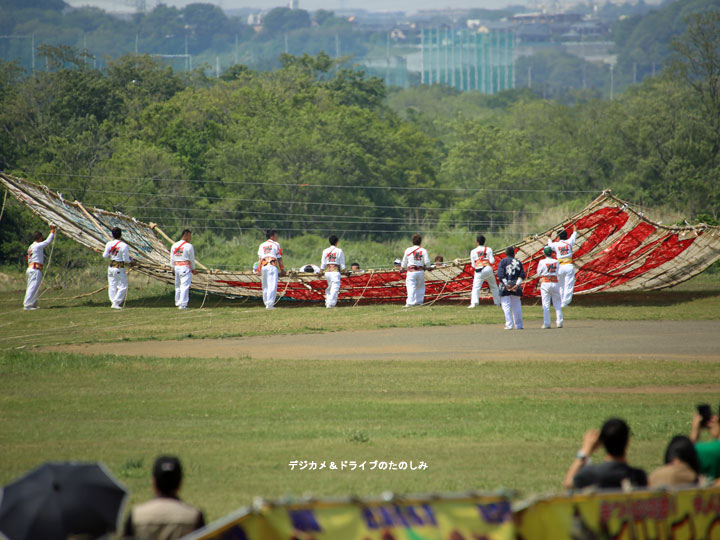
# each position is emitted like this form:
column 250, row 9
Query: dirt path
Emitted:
column 588, row 339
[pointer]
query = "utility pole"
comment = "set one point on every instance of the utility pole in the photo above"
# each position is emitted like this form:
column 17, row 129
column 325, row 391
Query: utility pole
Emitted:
column 422, row 55
column 612, row 80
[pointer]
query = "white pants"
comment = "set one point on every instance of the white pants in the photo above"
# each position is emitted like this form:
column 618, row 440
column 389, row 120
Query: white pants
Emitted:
column 269, row 284
column 333, row 288
column 183, row 278
column 485, row 275
column 551, row 291
column 512, row 308
column 117, row 285
column 566, row 282
column 415, row 283
column 34, row 277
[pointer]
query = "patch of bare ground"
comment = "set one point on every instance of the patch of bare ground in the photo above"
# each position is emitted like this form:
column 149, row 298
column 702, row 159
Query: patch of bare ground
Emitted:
column 579, row 340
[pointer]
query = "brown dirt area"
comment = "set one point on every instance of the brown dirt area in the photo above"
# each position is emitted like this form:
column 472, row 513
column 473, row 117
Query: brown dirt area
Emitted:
column 579, row 340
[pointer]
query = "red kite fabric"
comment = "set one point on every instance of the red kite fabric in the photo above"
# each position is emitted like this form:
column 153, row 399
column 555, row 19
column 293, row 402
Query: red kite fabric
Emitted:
column 617, row 249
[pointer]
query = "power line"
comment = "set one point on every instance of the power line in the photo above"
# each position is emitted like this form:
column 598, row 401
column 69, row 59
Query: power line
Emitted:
column 245, row 213
column 322, row 186
column 368, row 221
column 334, row 230
column 268, row 201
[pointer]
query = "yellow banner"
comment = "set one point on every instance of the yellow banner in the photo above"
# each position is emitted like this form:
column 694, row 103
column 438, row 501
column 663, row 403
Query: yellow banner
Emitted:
column 692, row 514
column 469, row 518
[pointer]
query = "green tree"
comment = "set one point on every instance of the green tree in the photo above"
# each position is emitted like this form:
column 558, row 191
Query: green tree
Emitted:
column 279, row 20
column 697, row 63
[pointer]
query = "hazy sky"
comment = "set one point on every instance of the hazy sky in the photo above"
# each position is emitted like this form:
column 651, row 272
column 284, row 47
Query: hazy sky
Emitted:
column 409, row 6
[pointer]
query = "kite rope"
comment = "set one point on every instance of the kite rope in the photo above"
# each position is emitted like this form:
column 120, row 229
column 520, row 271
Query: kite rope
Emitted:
column 366, row 286
column 447, row 280
column 207, row 286
column 287, row 284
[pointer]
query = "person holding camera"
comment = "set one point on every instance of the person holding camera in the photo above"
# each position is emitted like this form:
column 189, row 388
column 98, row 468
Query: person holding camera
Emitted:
column 614, row 472
column 708, row 451
column 511, row 273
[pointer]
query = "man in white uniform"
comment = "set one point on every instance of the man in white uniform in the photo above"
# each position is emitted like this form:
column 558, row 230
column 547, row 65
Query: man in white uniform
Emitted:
column 119, row 254
column 563, row 249
column 481, row 259
column 36, row 261
column 549, row 289
column 270, row 266
column 415, row 261
column 182, row 259
column 332, row 263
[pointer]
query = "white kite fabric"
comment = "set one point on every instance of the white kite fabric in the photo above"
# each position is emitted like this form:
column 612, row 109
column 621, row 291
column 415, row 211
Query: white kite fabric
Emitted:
column 617, row 249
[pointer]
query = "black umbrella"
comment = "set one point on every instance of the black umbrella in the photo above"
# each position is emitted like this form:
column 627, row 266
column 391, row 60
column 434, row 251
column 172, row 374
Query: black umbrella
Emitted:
column 58, row 499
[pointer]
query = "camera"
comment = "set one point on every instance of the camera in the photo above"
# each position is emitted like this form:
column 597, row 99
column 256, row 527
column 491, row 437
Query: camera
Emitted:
column 705, row 411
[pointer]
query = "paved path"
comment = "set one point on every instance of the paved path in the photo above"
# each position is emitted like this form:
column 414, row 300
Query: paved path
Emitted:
column 586, row 339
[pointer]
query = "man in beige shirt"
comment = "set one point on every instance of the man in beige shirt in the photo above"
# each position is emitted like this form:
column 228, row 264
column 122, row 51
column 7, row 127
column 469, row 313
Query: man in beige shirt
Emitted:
column 165, row 517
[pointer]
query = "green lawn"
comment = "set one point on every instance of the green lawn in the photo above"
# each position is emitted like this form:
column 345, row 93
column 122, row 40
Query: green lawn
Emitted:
column 237, row 424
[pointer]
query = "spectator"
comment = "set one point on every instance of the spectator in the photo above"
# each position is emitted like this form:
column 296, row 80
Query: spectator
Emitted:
column 681, row 464
column 355, row 267
column 709, row 451
column 439, row 261
column 614, row 472
column 397, row 265
column 165, row 517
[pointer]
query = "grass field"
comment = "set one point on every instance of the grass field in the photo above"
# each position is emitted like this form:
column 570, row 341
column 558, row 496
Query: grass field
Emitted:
column 237, row 424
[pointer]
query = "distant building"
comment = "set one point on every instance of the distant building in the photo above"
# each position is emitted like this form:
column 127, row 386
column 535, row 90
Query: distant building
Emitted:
column 294, row 4
column 480, row 60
